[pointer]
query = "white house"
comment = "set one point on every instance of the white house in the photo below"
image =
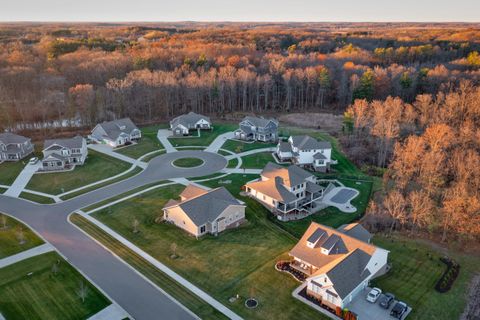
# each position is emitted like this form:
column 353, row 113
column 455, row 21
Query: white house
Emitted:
column 306, row 151
column 60, row 154
column 116, row 133
column 182, row 125
column 285, row 191
column 14, row 147
column 338, row 266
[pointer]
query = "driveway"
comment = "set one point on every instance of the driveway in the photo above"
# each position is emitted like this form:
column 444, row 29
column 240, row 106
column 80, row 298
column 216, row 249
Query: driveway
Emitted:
column 22, row 180
column 371, row 311
column 122, row 284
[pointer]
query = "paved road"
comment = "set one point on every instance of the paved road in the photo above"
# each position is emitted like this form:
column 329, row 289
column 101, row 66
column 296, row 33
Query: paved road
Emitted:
column 136, row 295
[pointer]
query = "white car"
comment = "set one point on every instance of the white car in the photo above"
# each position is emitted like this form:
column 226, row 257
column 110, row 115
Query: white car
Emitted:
column 373, row 295
column 33, row 160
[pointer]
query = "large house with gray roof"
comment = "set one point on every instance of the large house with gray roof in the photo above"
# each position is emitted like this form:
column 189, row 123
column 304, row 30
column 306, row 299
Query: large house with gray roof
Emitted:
column 257, row 129
column 182, row 125
column 286, row 191
column 14, row 147
column 338, row 264
column 63, row 154
column 306, row 151
column 116, row 133
column 200, row 211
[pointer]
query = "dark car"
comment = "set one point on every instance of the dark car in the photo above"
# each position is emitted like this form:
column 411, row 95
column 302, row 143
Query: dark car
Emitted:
column 386, row 300
column 399, row 310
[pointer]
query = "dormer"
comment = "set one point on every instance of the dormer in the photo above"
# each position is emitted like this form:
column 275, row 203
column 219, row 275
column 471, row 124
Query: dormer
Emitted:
column 122, row 127
column 329, row 244
column 315, row 238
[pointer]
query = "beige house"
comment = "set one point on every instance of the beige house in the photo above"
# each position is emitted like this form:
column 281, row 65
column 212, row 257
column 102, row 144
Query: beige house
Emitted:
column 338, row 263
column 201, row 211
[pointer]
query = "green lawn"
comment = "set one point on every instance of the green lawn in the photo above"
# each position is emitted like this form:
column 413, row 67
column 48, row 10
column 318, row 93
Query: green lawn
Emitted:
column 257, row 160
column 36, row 198
column 206, row 136
column 97, row 167
column 188, row 162
column 9, row 171
column 239, row 146
column 145, row 145
column 238, row 259
column 232, row 163
column 9, row 237
column 43, row 295
column 150, row 157
column 237, row 181
column 415, row 270
column 2, row 190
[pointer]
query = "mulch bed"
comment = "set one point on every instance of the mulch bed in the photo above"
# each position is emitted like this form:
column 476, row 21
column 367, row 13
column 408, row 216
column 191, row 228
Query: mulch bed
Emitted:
column 284, row 266
column 449, row 276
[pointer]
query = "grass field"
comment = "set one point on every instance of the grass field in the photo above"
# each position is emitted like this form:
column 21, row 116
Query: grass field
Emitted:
column 232, row 163
column 9, row 171
column 188, row 162
column 2, row 190
column 206, row 136
column 97, row 167
column 36, row 198
column 151, row 156
column 44, row 295
column 145, row 145
column 237, row 181
column 239, row 146
column 415, row 270
column 9, row 237
column 257, row 160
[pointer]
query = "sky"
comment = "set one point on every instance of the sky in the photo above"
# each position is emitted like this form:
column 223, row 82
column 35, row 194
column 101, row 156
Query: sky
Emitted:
column 241, row 10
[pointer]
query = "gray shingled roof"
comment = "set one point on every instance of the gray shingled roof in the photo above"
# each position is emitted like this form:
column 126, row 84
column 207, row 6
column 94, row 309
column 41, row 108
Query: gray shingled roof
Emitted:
column 313, row 187
column 188, row 119
column 259, row 122
column 319, row 156
column 116, row 127
column 207, row 207
column 71, row 143
column 308, row 143
column 350, row 272
column 296, row 174
column 316, row 235
column 284, row 146
column 357, row 231
column 286, row 195
column 11, row 138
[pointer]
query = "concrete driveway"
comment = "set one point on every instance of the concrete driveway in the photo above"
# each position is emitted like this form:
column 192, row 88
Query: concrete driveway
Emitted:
column 121, row 283
column 371, row 311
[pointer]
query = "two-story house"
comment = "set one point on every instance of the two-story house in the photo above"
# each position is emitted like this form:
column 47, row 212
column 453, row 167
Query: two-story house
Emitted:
column 306, row 151
column 285, row 191
column 61, row 154
column 182, row 125
column 116, row 133
column 337, row 264
column 14, row 147
column 257, row 129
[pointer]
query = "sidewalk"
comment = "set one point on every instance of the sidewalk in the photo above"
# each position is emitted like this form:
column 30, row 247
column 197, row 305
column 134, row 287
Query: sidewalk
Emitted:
column 219, row 141
column 44, row 248
column 244, row 171
column 22, row 180
column 103, row 148
column 162, row 135
column 112, row 312
column 249, row 152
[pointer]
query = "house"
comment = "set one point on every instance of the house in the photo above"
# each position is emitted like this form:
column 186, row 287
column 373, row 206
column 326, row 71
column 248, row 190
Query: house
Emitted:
column 306, row 151
column 337, row 264
column 61, row 154
column 201, row 211
column 257, row 129
column 116, row 133
column 182, row 125
column 285, row 191
column 14, row 147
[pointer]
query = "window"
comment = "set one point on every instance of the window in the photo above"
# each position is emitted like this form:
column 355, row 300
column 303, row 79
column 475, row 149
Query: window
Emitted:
column 202, row 229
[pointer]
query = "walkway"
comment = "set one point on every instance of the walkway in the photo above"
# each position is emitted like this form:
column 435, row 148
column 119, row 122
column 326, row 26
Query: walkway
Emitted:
column 22, row 180
column 112, row 312
column 44, row 248
column 163, row 135
column 249, row 152
column 244, row 171
column 103, row 148
column 219, row 141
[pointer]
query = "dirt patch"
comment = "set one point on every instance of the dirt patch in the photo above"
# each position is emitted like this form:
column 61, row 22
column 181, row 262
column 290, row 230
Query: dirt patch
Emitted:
column 328, row 122
column 472, row 309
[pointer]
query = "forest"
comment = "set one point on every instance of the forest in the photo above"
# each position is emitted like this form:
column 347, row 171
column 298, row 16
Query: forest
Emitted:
column 409, row 93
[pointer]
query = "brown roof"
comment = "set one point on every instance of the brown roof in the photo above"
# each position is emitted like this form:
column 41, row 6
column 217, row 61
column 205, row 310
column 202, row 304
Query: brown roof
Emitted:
column 192, row 191
column 274, row 189
column 315, row 257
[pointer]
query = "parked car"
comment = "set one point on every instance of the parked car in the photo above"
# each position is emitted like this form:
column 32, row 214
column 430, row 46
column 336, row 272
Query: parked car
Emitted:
column 373, row 295
column 386, row 300
column 33, row 160
column 399, row 310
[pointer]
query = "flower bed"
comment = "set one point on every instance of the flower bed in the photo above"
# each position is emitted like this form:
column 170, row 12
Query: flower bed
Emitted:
column 449, row 276
column 284, row 266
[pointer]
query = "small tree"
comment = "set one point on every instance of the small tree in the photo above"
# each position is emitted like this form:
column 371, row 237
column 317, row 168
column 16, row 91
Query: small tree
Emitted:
column 55, row 268
column 135, row 225
column 4, row 221
column 239, row 149
column 173, row 247
column 20, row 236
column 82, row 291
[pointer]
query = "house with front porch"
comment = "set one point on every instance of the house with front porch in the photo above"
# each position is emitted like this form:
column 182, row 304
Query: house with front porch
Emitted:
column 306, row 151
column 286, row 190
column 257, row 129
column 62, row 154
column 14, row 147
column 200, row 211
column 116, row 133
column 337, row 265
column 182, row 125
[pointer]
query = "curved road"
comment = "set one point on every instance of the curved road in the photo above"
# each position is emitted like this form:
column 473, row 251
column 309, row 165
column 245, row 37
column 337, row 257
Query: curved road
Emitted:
column 131, row 291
